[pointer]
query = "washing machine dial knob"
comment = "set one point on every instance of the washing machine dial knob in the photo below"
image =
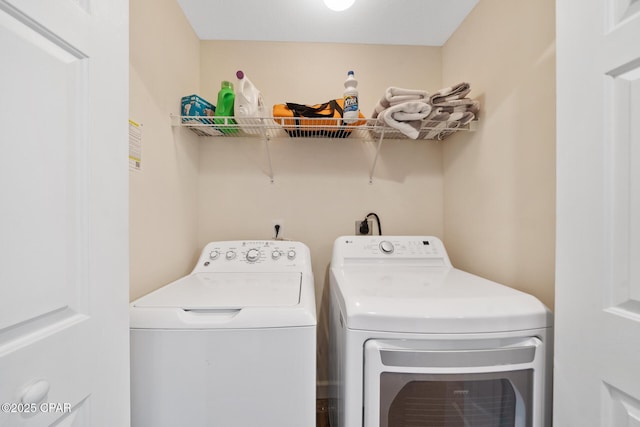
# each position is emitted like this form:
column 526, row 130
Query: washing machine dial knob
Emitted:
column 386, row 247
column 230, row 255
column 291, row 254
column 253, row 255
column 276, row 254
column 214, row 254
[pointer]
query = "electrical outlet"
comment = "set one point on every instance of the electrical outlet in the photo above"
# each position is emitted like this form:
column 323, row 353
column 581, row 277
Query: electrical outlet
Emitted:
column 358, row 222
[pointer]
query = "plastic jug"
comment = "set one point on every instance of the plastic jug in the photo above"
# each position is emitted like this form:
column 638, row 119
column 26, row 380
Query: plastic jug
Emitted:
column 224, row 108
column 249, row 105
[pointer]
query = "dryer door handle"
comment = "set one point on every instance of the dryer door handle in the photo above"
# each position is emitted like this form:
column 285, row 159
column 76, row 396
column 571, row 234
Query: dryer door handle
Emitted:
column 458, row 358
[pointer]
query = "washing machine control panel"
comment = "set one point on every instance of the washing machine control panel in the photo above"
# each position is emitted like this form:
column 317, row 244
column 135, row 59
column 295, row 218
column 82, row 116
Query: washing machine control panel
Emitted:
column 426, row 250
column 253, row 255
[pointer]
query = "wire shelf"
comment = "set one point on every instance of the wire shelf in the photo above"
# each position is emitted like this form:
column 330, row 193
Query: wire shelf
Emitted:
column 268, row 128
column 277, row 127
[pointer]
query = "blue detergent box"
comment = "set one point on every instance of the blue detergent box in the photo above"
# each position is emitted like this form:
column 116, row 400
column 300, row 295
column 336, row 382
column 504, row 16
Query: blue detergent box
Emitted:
column 193, row 105
column 196, row 106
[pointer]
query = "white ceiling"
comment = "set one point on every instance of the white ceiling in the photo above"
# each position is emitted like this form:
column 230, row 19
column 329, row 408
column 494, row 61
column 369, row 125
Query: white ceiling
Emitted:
column 392, row 22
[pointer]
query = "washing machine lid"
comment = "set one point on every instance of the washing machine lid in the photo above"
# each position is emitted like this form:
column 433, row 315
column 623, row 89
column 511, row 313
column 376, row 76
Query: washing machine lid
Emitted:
column 227, row 300
column 227, row 290
column 433, row 300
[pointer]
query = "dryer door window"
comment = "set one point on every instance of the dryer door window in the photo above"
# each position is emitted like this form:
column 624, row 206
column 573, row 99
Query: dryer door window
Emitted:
column 491, row 400
column 454, row 383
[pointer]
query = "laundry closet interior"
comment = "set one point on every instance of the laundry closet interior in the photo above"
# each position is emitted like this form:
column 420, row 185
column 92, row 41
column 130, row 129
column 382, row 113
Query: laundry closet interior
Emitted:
column 488, row 194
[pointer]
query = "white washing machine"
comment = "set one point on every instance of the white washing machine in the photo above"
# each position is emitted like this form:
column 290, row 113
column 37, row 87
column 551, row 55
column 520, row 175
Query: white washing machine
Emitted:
column 231, row 344
column 416, row 342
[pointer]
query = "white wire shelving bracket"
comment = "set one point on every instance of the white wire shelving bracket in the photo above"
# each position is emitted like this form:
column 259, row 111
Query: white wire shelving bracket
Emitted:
column 268, row 128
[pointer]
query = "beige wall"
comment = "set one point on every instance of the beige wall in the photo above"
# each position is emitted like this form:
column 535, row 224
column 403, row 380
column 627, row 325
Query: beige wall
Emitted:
column 164, row 66
column 499, row 185
column 489, row 194
column 310, row 73
column 321, row 187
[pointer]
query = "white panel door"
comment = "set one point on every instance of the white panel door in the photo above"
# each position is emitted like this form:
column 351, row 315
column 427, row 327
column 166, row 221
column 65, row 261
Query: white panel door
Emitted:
column 63, row 213
column 597, row 361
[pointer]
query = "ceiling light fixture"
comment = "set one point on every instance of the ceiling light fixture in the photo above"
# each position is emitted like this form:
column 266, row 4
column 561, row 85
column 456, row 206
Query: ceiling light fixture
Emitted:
column 339, row 5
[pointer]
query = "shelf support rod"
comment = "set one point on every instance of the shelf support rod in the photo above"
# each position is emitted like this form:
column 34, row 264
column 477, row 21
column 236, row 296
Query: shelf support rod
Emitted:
column 375, row 159
column 266, row 142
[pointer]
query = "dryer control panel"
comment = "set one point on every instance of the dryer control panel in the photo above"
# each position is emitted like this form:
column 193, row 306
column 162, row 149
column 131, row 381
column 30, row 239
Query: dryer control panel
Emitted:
column 254, row 255
column 417, row 250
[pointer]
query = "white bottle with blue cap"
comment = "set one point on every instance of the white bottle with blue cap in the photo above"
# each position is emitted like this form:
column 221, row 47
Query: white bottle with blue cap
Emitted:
column 350, row 109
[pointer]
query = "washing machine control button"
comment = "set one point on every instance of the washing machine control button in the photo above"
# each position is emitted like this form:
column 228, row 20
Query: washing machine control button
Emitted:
column 214, row 254
column 276, row 254
column 386, row 247
column 230, row 255
column 291, row 254
column 253, row 255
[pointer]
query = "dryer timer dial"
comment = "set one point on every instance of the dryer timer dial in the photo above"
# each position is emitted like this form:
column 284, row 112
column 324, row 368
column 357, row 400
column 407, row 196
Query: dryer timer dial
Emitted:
column 386, row 247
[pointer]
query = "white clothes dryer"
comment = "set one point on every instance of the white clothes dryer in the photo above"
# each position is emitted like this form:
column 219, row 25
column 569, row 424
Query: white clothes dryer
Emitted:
column 415, row 341
column 231, row 344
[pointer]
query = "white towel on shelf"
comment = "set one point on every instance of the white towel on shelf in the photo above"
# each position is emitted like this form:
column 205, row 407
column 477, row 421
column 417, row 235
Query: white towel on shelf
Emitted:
column 397, row 95
column 439, row 129
column 451, row 93
column 439, row 114
column 406, row 117
column 462, row 118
